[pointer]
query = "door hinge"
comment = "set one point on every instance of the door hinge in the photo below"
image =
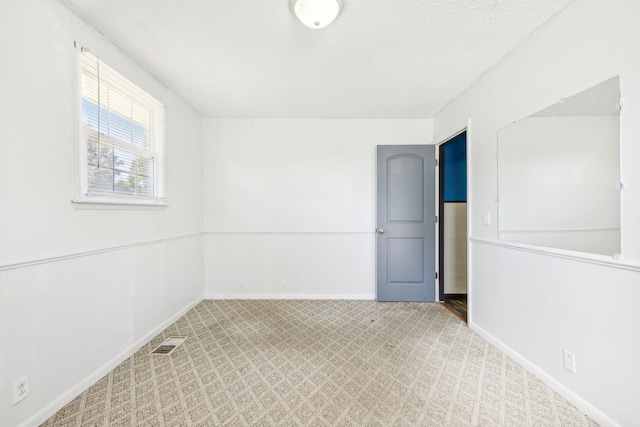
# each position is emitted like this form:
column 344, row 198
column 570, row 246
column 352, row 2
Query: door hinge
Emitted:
column 436, row 162
column 436, row 218
column 436, row 274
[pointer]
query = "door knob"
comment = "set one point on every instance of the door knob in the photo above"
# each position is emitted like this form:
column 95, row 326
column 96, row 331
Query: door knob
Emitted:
column 380, row 230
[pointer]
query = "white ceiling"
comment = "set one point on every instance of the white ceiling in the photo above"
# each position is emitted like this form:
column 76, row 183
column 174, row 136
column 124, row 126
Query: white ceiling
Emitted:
column 379, row 59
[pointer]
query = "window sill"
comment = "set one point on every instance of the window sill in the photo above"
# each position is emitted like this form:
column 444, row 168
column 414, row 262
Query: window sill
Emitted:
column 115, row 202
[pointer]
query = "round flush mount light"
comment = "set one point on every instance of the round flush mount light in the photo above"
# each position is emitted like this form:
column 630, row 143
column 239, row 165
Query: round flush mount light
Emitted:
column 316, row 14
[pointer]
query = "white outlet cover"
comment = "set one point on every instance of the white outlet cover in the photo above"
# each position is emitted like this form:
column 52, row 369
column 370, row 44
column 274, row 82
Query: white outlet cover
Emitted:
column 486, row 218
column 569, row 361
column 20, row 389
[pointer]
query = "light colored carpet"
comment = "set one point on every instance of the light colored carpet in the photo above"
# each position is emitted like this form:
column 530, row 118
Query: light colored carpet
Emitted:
column 320, row 363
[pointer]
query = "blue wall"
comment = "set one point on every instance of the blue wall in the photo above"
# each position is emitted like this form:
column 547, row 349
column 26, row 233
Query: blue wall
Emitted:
column 455, row 169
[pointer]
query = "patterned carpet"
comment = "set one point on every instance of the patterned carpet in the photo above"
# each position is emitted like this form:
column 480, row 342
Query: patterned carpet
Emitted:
column 320, row 363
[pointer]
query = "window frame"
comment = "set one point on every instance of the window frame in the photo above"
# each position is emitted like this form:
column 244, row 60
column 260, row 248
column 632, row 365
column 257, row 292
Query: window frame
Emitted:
column 82, row 194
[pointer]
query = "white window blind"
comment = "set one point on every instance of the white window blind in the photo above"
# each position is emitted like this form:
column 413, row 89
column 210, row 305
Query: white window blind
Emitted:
column 123, row 137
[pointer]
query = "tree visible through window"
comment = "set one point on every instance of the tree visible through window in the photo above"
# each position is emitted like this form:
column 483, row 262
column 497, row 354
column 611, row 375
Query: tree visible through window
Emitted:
column 123, row 135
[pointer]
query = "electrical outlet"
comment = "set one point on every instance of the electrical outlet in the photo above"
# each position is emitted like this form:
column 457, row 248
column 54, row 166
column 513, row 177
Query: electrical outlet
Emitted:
column 20, row 389
column 569, row 361
column 486, row 218
column 240, row 283
column 284, row 281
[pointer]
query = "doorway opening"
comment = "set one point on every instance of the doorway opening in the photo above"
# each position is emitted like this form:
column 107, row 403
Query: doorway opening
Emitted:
column 452, row 224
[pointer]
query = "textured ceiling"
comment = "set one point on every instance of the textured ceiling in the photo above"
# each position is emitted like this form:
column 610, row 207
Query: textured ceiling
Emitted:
column 379, row 59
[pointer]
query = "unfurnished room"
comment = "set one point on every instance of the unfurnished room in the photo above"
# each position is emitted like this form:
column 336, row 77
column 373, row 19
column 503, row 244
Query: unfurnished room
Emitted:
column 319, row 213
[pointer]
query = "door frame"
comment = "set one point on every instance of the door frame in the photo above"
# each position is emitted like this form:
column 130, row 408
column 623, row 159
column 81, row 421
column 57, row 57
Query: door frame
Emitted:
column 440, row 212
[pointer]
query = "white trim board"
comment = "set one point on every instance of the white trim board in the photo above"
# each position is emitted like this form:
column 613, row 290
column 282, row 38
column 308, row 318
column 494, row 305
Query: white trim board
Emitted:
column 591, row 411
column 561, row 253
column 272, row 296
column 54, row 406
column 56, row 258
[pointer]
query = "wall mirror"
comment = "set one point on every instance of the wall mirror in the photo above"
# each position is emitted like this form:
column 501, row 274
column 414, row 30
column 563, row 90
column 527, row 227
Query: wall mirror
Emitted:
column 559, row 174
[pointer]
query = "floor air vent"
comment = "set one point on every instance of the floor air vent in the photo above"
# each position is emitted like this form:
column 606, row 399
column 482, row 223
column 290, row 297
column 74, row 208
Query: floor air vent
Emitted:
column 168, row 345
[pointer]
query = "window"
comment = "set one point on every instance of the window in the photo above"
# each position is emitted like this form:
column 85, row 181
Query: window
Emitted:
column 122, row 143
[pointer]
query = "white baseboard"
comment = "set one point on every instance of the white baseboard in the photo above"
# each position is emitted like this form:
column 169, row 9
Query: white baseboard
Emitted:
column 290, row 296
column 46, row 412
column 587, row 408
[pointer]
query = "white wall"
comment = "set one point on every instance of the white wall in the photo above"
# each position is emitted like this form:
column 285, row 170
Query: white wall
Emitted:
column 294, row 198
column 535, row 304
column 558, row 183
column 95, row 293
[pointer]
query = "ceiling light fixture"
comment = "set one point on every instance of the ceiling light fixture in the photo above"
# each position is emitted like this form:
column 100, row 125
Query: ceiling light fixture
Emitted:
column 316, row 14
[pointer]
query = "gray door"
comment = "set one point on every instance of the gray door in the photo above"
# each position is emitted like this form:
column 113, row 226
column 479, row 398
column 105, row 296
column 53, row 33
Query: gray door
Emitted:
column 406, row 233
